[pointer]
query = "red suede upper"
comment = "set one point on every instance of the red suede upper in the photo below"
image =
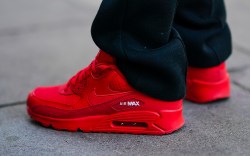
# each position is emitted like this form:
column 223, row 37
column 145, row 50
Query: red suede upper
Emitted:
column 212, row 74
column 98, row 89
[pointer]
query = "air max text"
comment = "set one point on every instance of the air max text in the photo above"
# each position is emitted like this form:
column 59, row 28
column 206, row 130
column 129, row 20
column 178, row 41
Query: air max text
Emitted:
column 130, row 103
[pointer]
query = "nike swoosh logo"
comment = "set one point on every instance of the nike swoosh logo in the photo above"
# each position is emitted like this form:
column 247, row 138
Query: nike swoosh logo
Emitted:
column 95, row 99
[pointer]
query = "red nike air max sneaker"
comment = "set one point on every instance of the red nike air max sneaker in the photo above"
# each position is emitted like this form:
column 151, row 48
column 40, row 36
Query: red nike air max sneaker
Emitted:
column 208, row 84
column 99, row 99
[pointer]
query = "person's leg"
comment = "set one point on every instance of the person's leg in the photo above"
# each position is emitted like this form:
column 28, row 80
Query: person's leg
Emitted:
column 205, row 32
column 136, row 36
column 149, row 52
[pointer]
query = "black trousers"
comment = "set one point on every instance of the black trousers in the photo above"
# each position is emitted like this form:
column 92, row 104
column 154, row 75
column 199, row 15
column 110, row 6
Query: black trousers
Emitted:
column 153, row 40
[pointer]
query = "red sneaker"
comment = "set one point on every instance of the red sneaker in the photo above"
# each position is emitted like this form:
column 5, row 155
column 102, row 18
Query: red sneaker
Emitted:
column 99, row 99
column 208, row 84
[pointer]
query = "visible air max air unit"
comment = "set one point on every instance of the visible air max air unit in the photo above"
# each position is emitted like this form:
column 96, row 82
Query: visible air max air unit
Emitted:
column 208, row 84
column 99, row 99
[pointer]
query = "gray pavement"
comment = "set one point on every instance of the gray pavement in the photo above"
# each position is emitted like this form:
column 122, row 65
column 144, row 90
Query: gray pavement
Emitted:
column 44, row 42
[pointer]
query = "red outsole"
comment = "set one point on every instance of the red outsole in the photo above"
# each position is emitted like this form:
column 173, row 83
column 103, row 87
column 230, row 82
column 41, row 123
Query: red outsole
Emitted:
column 164, row 122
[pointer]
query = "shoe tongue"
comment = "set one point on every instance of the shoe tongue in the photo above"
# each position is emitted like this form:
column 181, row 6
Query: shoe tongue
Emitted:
column 103, row 57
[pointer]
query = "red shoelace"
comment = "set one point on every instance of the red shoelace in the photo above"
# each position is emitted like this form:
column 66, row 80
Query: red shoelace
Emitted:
column 79, row 81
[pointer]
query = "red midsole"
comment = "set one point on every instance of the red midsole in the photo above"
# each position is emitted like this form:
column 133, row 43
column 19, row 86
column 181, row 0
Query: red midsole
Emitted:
column 158, row 123
column 202, row 92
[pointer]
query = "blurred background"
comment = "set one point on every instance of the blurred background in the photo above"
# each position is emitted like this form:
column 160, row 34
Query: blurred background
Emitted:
column 45, row 42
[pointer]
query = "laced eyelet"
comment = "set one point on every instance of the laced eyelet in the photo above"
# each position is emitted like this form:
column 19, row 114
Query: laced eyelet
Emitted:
column 78, row 82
